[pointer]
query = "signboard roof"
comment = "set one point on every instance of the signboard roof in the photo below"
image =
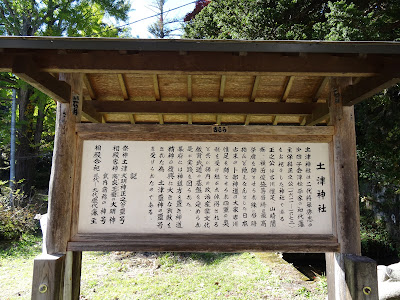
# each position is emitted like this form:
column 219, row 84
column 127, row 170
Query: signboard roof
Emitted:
column 203, row 81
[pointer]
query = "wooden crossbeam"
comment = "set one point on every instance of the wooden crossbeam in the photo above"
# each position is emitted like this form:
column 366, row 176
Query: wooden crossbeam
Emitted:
column 90, row 113
column 319, row 114
column 86, row 81
column 210, row 63
column 241, row 108
column 320, row 89
column 27, row 70
column 367, row 87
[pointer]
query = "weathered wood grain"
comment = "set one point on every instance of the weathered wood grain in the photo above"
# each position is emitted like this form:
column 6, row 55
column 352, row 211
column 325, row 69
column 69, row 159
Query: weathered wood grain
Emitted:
column 48, row 275
column 62, row 172
column 203, row 243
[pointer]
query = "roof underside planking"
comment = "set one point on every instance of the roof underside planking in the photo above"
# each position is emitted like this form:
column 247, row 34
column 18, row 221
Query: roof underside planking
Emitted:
column 203, row 82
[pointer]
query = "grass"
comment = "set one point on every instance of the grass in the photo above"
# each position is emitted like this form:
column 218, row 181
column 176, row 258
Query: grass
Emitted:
column 127, row 275
column 16, row 267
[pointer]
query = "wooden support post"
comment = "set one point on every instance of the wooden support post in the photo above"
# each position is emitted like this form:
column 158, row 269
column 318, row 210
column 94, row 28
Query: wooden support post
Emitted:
column 48, row 274
column 72, row 276
column 60, row 203
column 361, row 277
column 346, row 196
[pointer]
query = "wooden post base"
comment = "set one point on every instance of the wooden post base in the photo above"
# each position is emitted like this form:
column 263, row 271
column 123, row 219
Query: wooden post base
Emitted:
column 48, row 277
column 351, row 277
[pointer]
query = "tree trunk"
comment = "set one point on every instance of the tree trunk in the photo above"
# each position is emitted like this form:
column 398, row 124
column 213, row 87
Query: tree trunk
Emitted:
column 26, row 152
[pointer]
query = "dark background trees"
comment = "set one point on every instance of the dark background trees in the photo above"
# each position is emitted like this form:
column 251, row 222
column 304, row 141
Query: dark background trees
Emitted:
column 377, row 119
column 35, row 128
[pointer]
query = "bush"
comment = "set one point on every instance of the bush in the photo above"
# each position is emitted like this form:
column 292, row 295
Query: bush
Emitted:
column 18, row 220
column 376, row 241
column 14, row 222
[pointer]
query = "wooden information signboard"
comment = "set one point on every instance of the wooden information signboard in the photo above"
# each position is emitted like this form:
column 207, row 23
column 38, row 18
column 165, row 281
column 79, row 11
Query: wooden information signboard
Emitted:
column 202, row 187
column 141, row 182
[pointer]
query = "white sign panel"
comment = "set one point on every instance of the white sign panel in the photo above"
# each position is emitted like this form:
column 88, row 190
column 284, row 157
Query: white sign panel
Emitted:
column 205, row 188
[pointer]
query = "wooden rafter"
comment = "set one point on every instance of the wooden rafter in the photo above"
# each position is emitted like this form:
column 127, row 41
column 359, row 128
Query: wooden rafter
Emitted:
column 219, row 117
column 286, row 90
column 27, row 70
column 321, row 86
column 189, row 96
column 222, row 88
column 156, row 88
column 177, row 107
column 122, row 84
column 366, row 88
column 255, row 87
column 287, row 87
column 86, row 81
column 87, row 110
column 90, row 113
column 189, row 88
column 319, row 114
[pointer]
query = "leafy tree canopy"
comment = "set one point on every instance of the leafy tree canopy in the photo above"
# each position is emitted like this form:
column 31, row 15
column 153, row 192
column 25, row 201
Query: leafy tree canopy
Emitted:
column 378, row 131
column 60, row 17
column 296, row 19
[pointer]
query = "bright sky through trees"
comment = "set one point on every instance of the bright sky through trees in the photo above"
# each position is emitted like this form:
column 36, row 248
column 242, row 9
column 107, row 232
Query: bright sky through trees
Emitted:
column 141, row 9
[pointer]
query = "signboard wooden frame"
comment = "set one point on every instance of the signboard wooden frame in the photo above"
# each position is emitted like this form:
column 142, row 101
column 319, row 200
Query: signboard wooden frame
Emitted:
column 200, row 242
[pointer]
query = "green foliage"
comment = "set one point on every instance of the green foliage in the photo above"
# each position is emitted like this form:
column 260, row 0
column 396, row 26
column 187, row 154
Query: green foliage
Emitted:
column 17, row 220
column 14, row 222
column 378, row 131
column 59, row 17
column 26, row 247
column 375, row 239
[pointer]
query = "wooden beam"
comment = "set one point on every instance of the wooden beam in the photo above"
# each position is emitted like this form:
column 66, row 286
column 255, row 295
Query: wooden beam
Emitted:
column 315, row 64
column 90, row 113
column 222, row 88
column 190, row 119
column 161, row 118
column 27, row 70
column 156, row 88
column 86, row 81
column 286, row 89
column 242, row 108
column 122, row 83
column 132, row 119
column 319, row 114
column 322, row 84
column 275, row 121
column 255, row 87
column 368, row 87
column 86, row 129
